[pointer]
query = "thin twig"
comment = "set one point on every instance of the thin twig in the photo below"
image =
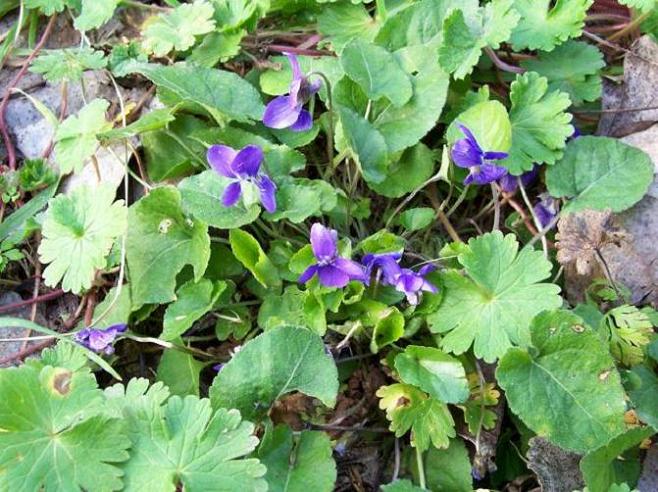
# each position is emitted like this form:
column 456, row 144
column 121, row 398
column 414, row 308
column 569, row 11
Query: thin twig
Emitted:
column 505, row 67
column 45, row 297
column 441, row 215
column 11, row 151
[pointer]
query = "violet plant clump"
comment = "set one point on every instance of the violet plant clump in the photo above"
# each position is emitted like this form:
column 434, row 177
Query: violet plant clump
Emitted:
column 443, row 318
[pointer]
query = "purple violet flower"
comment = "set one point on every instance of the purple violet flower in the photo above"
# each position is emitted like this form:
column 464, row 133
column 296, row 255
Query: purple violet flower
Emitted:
column 243, row 167
column 413, row 284
column 388, row 272
column 383, row 265
column 468, row 154
column 509, row 183
column 546, row 209
column 332, row 270
column 288, row 111
column 100, row 339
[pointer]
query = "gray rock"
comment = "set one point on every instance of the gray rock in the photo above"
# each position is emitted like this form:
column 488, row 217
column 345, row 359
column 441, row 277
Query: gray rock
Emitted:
column 649, row 477
column 638, row 90
column 8, row 349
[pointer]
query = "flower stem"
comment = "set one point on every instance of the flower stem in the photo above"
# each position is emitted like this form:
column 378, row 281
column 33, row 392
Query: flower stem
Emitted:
column 330, row 117
column 535, row 219
column 421, row 468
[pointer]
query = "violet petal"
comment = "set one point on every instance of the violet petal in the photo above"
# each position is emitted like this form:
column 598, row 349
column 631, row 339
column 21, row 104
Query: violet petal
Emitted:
column 247, row 162
column 231, row 194
column 267, row 193
column 331, row 276
column 323, row 242
column 279, row 113
column 304, row 122
column 220, row 158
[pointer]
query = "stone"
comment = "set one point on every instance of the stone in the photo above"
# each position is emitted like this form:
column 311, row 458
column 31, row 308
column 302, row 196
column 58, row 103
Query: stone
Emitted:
column 637, row 91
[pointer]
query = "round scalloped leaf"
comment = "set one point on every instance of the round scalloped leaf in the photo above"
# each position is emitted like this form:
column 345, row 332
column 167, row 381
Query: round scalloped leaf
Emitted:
column 491, row 308
column 53, row 434
column 78, row 234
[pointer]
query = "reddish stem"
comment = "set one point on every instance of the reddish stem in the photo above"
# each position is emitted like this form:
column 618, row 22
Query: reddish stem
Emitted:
column 11, row 152
column 45, row 297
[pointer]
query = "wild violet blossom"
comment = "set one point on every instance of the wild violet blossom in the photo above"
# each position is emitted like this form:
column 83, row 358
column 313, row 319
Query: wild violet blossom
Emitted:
column 468, row 154
column 100, row 339
column 388, row 272
column 243, row 167
column 288, row 111
column 546, row 209
column 332, row 270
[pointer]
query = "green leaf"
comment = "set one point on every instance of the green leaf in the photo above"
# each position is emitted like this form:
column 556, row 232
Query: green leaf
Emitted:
column 401, row 486
column 410, row 171
column 540, row 126
column 599, row 466
column 490, row 124
column 599, row 173
column 300, row 198
column 54, row 437
column 629, row 331
column 417, row 219
column 78, row 233
column 179, row 371
column 404, row 126
column 573, row 67
column 408, row 408
column 576, row 400
column 67, row 64
column 641, row 5
column 449, row 470
column 94, row 14
column 161, row 241
column 217, row 47
column 433, row 371
column 342, row 23
column 223, row 94
column 294, row 307
column 48, row 7
column 75, row 138
column 276, row 81
column 367, row 143
column 544, row 24
column 463, row 41
column 297, row 463
column 376, row 71
column 177, row 29
column 248, row 252
column 279, row 361
column 14, row 226
column 492, row 308
column 184, row 443
column 421, row 24
column 388, row 327
column 115, row 309
column 193, row 300
column 643, row 392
